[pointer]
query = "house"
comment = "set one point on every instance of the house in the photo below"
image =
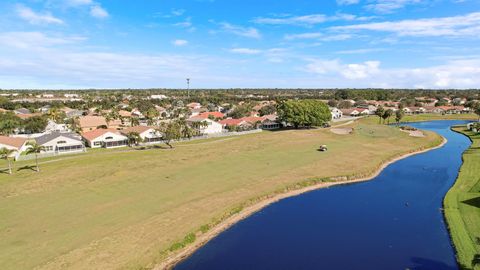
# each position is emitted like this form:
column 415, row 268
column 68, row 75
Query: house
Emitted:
column 355, row 112
column 106, row 138
column 414, row 110
column 336, row 113
column 61, row 143
column 158, row 97
column 194, row 105
column 209, row 127
column 22, row 111
column 89, row 123
column 148, row 134
column 54, row 127
column 211, row 115
column 17, row 144
column 270, row 122
column 72, row 113
column 235, row 123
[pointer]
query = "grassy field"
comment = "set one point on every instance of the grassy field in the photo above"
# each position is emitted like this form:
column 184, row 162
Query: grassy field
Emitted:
column 120, row 209
column 462, row 204
column 426, row 117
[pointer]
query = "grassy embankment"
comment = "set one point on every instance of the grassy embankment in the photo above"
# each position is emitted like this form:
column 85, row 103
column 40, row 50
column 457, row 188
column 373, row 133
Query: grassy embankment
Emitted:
column 425, row 117
column 462, row 205
column 130, row 209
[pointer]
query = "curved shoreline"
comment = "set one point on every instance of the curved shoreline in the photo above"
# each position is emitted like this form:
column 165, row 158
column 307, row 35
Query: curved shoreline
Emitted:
column 184, row 253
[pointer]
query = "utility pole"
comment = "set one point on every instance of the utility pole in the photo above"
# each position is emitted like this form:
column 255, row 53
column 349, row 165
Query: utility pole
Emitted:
column 188, row 87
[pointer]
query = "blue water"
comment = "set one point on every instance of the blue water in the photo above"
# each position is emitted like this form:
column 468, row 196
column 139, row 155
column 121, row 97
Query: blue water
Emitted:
column 392, row 222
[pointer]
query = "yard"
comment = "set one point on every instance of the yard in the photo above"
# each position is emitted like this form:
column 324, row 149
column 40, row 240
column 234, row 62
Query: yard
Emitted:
column 462, row 204
column 123, row 209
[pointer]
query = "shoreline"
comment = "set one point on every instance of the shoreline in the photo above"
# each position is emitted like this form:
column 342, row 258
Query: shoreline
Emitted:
column 184, row 253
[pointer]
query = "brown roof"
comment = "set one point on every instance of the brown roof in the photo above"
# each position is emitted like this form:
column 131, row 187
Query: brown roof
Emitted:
column 137, row 129
column 124, row 113
column 91, row 135
column 11, row 141
column 28, row 115
column 92, row 121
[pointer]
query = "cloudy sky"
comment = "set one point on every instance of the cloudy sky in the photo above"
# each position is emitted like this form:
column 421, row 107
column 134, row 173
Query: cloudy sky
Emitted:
column 240, row 43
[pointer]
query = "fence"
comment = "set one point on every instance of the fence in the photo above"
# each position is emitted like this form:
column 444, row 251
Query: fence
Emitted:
column 47, row 155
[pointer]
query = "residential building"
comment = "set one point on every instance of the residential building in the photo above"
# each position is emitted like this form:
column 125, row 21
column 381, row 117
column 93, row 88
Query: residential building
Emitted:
column 89, row 123
column 209, row 127
column 17, row 144
column 61, row 143
column 148, row 134
column 336, row 113
column 106, row 138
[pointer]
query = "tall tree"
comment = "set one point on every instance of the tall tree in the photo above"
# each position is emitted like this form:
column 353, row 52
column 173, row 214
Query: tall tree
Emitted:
column 35, row 148
column 6, row 154
column 134, row 138
column 398, row 116
column 379, row 112
column 386, row 115
column 304, row 113
column 170, row 131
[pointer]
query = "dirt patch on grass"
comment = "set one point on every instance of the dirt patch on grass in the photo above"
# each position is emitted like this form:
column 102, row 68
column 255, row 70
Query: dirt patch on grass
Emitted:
column 415, row 133
column 342, row 131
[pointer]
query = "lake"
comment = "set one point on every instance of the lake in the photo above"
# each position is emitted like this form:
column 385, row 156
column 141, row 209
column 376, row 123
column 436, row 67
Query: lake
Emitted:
column 392, row 222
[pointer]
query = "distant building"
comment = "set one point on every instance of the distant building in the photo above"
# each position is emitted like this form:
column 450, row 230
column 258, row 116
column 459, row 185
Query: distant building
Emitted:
column 106, row 138
column 61, row 143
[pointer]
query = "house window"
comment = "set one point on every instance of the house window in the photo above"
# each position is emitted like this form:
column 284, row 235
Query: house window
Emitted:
column 48, row 148
column 61, row 142
column 97, row 143
column 109, row 138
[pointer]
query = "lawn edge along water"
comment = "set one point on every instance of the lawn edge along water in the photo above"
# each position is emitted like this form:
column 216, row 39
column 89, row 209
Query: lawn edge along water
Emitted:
column 181, row 250
column 463, row 239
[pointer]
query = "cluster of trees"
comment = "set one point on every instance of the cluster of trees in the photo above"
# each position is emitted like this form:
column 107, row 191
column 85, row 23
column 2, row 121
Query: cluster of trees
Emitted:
column 384, row 115
column 33, row 148
column 304, row 113
column 9, row 122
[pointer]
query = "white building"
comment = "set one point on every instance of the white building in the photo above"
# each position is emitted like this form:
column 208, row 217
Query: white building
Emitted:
column 106, row 138
column 158, row 97
column 11, row 143
column 336, row 113
column 61, row 143
column 148, row 134
column 54, row 127
column 209, row 127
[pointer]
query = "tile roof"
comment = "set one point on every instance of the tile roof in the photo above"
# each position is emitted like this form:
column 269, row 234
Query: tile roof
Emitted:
column 91, row 135
column 11, row 141
column 92, row 121
column 48, row 137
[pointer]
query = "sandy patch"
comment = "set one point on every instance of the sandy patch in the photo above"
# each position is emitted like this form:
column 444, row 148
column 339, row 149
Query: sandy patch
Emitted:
column 415, row 133
column 342, row 131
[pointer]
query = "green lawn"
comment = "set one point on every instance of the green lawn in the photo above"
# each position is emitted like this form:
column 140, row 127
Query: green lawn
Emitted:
column 427, row 117
column 120, row 209
column 462, row 204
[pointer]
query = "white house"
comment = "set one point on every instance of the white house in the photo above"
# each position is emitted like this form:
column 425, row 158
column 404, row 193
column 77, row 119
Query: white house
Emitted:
column 61, row 143
column 158, row 97
column 54, row 127
column 336, row 113
column 148, row 134
column 17, row 144
column 106, row 138
column 211, row 126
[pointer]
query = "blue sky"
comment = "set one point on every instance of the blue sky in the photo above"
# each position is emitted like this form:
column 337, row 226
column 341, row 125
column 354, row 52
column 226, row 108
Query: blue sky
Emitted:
column 240, row 43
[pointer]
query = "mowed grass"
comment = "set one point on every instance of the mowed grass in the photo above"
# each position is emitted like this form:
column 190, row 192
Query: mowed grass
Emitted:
column 425, row 117
column 120, row 209
column 462, row 204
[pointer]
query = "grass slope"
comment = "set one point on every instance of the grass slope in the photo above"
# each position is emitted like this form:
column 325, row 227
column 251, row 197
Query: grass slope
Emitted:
column 462, row 204
column 120, row 209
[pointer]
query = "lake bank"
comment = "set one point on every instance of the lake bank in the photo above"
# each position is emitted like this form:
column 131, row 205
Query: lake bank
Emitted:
column 171, row 261
column 462, row 203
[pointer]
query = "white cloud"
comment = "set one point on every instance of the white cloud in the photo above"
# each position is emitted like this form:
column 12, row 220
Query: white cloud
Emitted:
column 36, row 18
column 318, row 36
column 348, row 71
column 34, row 40
column 98, row 12
column 347, row 2
column 249, row 32
column 458, row 74
column 245, row 51
column 389, row 6
column 310, row 20
column 457, row 26
column 179, row 42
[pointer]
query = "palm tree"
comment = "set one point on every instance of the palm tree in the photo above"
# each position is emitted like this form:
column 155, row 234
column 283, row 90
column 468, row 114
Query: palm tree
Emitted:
column 6, row 154
column 386, row 115
column 379, row 112
column 398, row 116
column 477, row 111
column 35, row 148
column 134, row 138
